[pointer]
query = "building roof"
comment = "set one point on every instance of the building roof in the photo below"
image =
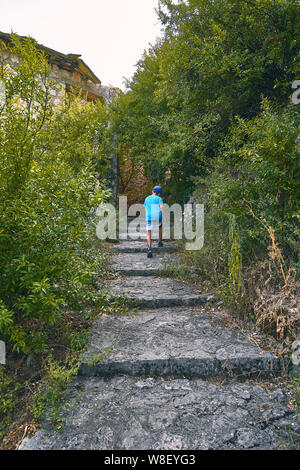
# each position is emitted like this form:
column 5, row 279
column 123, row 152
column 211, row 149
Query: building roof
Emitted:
column 70, row 62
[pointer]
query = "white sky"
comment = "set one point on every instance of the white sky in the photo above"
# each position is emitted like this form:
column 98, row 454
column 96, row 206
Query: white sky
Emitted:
column 110, row 35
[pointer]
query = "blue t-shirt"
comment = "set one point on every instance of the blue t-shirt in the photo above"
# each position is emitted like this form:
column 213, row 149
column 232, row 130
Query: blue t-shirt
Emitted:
column 153, row 211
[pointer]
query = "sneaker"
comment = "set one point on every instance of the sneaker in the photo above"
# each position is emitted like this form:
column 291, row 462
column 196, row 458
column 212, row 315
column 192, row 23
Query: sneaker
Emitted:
column 160, row 244
column 149, row 255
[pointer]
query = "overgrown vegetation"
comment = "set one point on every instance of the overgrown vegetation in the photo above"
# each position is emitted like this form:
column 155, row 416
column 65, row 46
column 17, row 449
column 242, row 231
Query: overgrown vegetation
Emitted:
column 48, row 186
column 208, row 115
column 52, row 267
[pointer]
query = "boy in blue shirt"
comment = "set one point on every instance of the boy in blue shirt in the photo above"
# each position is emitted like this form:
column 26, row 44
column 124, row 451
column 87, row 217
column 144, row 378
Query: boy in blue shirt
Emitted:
column 154, row 210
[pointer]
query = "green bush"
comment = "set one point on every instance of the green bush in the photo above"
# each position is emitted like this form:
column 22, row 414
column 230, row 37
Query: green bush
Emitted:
column 48, row 397
column 257, row 175
column 8, row 401
column 51, row 178
column 208, row 114
column 215, row 61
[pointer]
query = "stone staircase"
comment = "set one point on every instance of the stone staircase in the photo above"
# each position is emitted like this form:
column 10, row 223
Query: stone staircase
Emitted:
column 169, row 376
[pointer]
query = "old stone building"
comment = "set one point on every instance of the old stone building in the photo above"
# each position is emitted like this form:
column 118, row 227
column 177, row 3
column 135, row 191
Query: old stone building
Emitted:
column 68, row 70
column 71, row 73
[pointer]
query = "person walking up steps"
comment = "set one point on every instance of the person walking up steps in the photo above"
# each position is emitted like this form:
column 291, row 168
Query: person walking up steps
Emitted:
column 154, row 212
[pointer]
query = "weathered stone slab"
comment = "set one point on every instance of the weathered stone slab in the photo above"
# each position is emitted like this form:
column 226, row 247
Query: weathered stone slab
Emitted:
column 158, row 292
column 136, row 414
column 149, row 393
column 138, row 246
column 137, row 264
column 179, row 342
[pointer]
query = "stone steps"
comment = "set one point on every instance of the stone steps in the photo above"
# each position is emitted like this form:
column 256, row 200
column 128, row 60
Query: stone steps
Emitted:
column 139, row 246
column 153, row 292
column 145, row 379
column 170, row 338
column 157, row 292
column 127, row 414
column 137, row 264
column 172, row 342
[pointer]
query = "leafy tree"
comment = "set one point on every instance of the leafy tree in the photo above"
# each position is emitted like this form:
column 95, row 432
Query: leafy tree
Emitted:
column 52, row 162
column 257, row 172
column 215, row 62
column 209, row 108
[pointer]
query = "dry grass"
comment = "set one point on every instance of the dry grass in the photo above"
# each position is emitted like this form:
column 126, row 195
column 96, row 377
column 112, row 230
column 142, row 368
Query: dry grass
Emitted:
column 275, row 293
column 277, row 311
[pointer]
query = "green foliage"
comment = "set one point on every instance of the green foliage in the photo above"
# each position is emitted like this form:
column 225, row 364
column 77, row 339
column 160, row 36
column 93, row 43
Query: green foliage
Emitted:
column 216, row 60
column 296, row 387
column 99, row 357
column 48, row 398
column 208, row 113
column 51, row 179
column 8, row 401
column 257, row 170
column 235, row 258
column 134, row 117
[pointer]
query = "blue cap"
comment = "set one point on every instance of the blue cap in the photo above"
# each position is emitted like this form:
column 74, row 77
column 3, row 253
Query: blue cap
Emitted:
column 157, row 189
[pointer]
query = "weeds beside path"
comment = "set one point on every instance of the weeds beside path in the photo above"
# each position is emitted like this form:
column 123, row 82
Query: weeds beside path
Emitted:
column 33, row 384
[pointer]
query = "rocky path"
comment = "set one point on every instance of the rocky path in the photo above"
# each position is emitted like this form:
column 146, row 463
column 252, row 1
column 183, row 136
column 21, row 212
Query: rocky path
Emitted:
column 152, row 379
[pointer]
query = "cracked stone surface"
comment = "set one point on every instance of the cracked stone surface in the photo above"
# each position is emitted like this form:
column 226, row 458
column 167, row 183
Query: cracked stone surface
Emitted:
column 137, row 264
column 137, row 246
column 150, row 414
column 141, row 382
column 181, row 342
column 158, row 292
